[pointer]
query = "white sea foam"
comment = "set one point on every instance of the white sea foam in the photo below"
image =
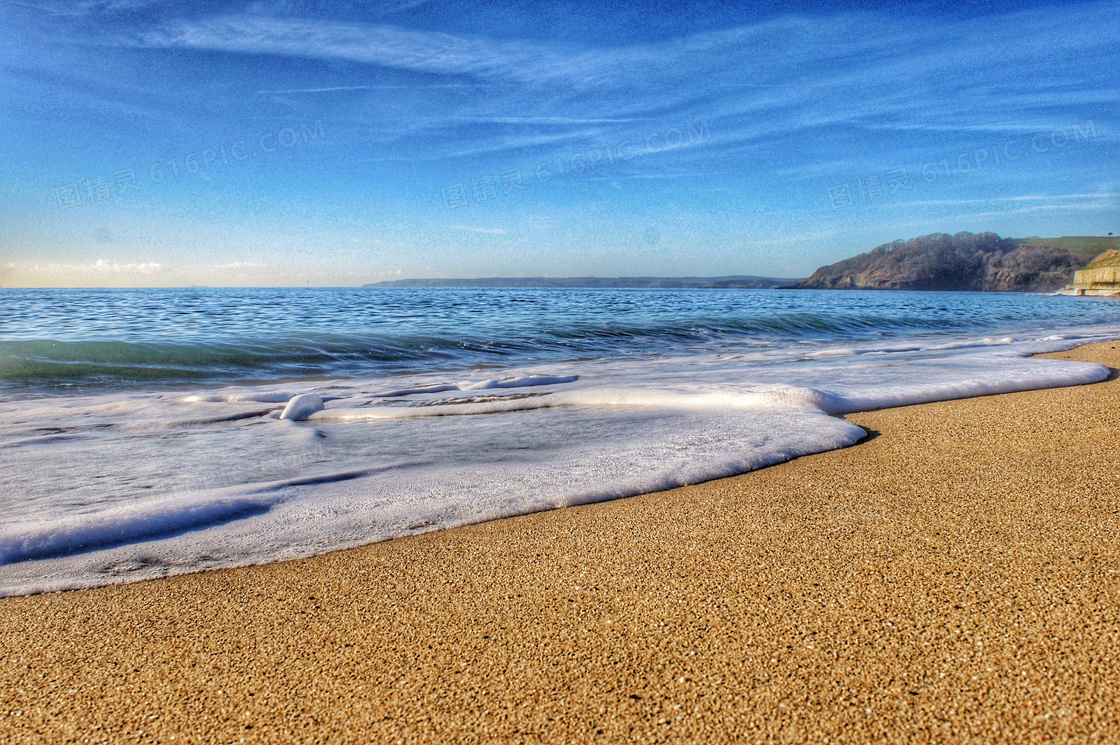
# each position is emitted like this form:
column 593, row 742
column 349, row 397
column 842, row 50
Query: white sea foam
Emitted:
column 302, row 406
column 125, row 486
column 528, row 381
column 480, row 385
column 275, row 397
column 79, row 533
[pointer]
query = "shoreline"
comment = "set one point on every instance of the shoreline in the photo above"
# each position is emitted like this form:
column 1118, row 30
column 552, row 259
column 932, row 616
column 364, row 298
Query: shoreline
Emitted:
column 63, row 549
column 845, row 594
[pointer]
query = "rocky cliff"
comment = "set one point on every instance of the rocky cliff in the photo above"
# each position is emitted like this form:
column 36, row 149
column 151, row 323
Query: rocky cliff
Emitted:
column 953, row 262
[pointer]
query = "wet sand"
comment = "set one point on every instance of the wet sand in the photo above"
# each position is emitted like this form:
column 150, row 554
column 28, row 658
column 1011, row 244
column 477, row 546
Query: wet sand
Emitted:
column 955, row 577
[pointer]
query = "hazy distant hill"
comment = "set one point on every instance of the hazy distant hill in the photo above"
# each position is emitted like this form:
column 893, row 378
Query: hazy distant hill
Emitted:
column 738, row 282
column 963, row 262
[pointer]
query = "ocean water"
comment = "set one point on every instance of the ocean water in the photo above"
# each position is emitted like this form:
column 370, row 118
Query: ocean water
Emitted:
column 143, row 432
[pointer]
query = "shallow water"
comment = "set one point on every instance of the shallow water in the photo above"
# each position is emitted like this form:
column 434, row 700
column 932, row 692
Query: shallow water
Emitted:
column 142, row 434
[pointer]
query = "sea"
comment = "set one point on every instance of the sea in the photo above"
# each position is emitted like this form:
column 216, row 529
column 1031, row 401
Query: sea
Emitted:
column 144, row 430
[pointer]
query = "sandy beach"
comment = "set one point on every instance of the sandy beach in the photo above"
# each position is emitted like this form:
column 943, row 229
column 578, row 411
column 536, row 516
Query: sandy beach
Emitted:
column 953, row 578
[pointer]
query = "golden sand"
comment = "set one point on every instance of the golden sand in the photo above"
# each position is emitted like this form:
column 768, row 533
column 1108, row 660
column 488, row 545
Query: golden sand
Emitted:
column 954, row 578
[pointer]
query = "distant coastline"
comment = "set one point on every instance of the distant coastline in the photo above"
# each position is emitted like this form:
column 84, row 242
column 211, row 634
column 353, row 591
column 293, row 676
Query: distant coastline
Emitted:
column 672, row 283
column 963, row 262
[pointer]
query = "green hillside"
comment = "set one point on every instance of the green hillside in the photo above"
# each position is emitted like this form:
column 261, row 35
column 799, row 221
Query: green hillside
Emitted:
column 1108, row 258
column 1085, row 246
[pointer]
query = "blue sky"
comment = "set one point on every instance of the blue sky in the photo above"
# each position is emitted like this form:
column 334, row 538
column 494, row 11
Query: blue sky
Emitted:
column 164, row 143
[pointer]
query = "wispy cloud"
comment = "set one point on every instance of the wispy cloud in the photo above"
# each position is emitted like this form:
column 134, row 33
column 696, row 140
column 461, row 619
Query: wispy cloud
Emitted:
column 106, row 267
column 345, row 88
column 393, row 9
column 796, row 103
column 758, row 82
column 550, row 120
column 101, row 266
column 487, row 231
column 386, row 46
column 1050, row 199
column 96, row 7
column 239, row 265
column 1030, row 210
